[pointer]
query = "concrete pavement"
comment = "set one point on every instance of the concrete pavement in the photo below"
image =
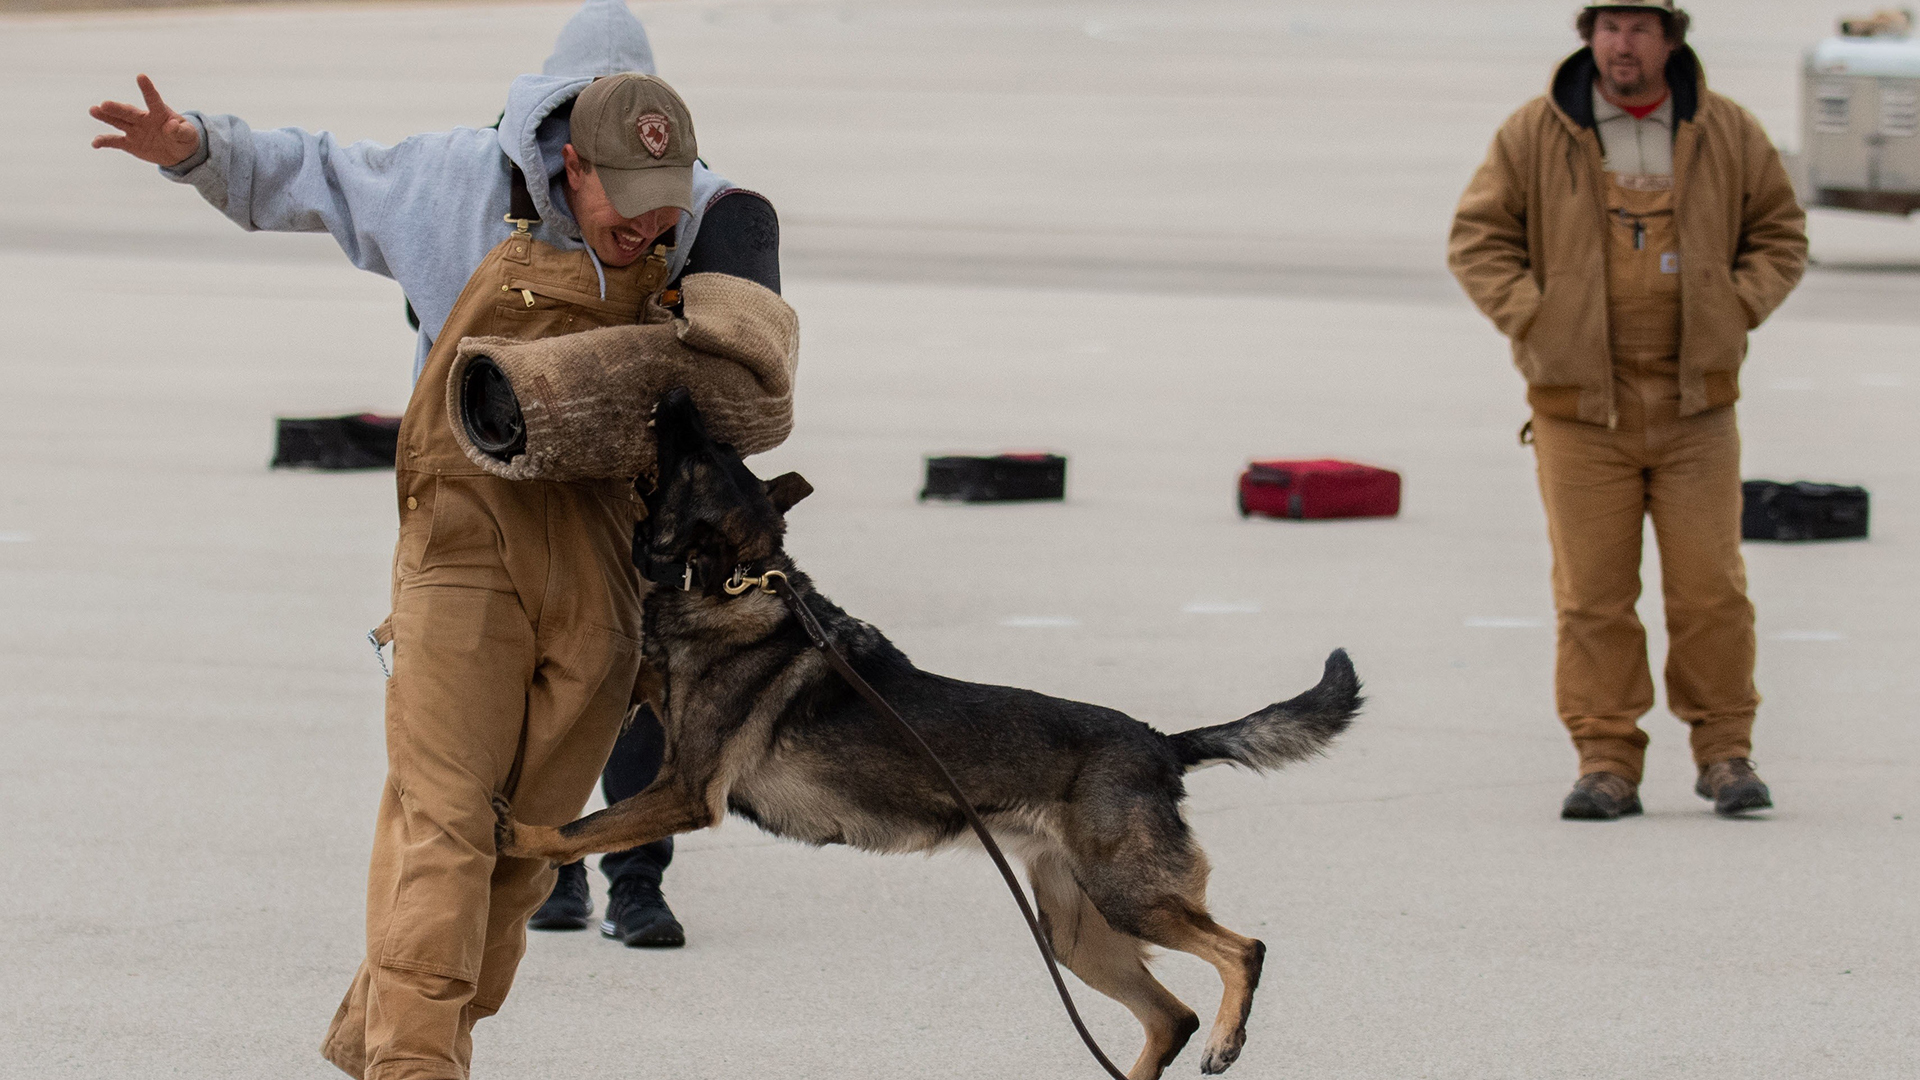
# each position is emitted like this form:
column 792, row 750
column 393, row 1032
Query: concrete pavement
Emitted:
column 1161, row 239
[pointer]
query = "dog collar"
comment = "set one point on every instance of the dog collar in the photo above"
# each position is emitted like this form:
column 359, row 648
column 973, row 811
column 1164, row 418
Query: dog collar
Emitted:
column 695, row 578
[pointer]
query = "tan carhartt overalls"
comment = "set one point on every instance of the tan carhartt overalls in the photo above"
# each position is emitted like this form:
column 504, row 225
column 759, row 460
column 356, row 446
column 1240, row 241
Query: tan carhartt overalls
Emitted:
column 516, row 625
column 1600, row 483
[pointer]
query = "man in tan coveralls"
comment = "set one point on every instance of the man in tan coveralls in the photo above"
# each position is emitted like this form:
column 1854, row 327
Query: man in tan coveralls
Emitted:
column 516, row 604
column 1626, row 231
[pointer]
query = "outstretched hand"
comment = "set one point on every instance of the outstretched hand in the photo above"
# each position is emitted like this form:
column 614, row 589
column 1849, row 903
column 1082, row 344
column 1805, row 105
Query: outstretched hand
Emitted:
column 155, row 134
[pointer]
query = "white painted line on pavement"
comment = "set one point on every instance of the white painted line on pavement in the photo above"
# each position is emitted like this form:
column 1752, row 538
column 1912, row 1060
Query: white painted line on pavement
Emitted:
column 1807, row 635
column 14, row 538
column 1505, row 622
column 1039, row 622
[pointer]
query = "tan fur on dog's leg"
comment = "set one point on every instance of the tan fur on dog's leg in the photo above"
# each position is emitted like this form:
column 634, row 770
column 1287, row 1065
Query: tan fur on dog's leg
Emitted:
column 1112, row 963
column 665, row 808
column 649, row 689
column 1175, row 924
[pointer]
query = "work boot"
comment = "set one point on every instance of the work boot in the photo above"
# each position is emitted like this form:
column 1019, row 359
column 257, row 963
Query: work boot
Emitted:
column 1600, row 796
column 1733, row 787
column 638, row 916
column 569, row 906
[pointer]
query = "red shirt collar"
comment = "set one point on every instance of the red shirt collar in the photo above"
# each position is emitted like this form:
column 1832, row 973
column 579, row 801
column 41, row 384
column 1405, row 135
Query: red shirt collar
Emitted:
column 1641, row 112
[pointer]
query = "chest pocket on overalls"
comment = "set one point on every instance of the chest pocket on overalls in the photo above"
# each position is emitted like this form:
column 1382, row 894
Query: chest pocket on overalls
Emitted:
column 1645, row 261
column 540, row 309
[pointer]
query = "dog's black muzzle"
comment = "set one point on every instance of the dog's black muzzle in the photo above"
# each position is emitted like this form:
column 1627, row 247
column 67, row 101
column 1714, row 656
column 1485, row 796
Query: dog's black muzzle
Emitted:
column 664, row 570
column 695, row 571
column 654, row 570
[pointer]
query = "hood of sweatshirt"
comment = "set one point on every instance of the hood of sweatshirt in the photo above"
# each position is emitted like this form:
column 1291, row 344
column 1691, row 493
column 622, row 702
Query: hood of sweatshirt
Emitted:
column 602, row 38
column 532, row 131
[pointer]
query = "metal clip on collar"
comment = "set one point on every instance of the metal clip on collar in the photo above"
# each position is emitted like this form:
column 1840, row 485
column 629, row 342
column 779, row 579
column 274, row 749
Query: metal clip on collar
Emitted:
column 740, row 582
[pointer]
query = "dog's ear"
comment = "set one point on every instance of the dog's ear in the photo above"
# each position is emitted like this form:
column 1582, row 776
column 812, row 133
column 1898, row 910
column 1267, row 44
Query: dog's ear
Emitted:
column 787, row 489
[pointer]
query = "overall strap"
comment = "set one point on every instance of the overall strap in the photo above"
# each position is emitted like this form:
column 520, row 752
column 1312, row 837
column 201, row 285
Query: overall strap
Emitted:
column 520, row 208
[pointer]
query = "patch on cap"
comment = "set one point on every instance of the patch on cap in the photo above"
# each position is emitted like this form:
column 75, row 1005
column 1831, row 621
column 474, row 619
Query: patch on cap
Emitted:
column 655, row 131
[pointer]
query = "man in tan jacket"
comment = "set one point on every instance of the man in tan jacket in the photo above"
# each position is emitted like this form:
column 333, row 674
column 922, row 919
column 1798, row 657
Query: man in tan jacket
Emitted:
column 1626, row 231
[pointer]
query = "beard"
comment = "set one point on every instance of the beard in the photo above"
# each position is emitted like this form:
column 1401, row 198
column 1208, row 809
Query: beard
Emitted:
column 1632, row 80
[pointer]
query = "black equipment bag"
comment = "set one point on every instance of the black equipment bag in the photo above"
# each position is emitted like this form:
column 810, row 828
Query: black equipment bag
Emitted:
column 999, row 478
column 365, row 441
column 1802, row 511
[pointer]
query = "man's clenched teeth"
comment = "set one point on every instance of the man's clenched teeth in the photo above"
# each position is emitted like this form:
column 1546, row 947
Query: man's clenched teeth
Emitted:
column 629, row 241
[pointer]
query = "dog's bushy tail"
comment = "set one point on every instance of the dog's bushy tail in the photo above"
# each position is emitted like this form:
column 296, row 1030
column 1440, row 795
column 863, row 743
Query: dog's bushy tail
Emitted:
column 1289, row 731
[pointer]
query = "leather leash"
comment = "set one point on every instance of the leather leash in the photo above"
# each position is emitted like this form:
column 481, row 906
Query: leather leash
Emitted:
column 776, row 582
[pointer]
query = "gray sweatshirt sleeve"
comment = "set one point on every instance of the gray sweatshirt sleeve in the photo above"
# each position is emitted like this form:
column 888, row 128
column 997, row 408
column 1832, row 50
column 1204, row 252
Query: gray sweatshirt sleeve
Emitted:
column 289, row 180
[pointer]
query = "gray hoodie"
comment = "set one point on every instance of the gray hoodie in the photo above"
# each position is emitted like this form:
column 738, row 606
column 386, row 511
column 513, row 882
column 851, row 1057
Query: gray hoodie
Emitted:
column 426, row 211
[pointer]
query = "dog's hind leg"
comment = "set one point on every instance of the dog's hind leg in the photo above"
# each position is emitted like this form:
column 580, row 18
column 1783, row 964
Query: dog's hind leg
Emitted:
column 1140, row 866
column 1111, row 962
column 1179, row 923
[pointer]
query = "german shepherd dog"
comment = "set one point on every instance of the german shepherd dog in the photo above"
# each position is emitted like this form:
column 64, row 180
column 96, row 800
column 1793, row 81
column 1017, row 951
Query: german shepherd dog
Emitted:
column 759, row 724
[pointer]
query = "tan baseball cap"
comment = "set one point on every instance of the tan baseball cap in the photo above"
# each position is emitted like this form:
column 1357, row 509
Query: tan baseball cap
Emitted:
column 635, row 132
column 1631, row 5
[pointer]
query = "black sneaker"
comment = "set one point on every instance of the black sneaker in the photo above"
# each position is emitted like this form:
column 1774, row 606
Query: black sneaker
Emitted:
column 569, row 906
column 1734, row 788
column 1600, row 796
column 638, row 916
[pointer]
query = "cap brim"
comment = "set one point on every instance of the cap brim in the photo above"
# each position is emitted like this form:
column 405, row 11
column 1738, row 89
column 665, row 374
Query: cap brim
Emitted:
column 636, row 191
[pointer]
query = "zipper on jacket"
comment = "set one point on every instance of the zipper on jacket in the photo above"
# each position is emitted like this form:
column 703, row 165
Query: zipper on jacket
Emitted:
column 1606, row 316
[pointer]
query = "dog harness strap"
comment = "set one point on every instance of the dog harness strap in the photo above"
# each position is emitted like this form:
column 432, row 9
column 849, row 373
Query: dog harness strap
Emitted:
column 779, row 584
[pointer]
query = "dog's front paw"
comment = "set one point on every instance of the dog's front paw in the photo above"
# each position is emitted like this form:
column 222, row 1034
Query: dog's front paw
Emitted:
column 504, row 827
column 518, row 840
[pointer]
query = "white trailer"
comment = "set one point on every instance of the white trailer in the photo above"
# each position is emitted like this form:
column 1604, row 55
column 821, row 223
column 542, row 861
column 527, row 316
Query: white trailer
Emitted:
column 1860, row 124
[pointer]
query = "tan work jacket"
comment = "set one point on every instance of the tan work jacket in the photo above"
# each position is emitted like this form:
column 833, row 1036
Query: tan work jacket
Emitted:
column 1530, row 239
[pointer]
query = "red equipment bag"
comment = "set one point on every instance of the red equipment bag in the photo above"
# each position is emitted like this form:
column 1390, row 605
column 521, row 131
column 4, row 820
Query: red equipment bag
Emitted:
column 1318, row 489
